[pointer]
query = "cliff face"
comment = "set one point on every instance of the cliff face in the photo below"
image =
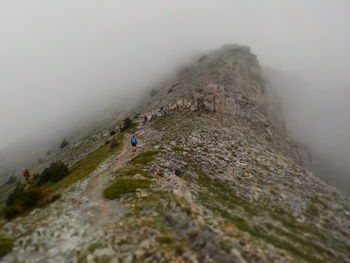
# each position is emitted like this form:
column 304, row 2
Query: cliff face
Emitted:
column 224, row 183
column 228, row 82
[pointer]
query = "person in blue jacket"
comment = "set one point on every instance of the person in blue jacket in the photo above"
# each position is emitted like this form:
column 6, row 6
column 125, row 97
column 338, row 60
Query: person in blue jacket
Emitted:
column 133, row 142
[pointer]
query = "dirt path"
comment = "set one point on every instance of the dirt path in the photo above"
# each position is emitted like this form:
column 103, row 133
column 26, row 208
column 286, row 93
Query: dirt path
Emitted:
column 101, row 211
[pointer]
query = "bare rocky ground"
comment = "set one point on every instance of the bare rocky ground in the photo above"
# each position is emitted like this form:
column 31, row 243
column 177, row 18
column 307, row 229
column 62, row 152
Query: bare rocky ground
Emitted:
column 227, row 185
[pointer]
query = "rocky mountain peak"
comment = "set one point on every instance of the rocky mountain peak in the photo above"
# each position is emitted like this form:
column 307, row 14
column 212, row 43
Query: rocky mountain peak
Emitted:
column 229, row 84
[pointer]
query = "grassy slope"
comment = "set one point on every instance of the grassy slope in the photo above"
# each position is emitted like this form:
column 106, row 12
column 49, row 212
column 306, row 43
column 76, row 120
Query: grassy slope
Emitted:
column 124, row 183
column 302, row 241
column 87, row 165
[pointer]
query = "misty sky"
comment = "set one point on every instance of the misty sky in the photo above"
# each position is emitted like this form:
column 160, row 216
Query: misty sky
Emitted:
column 63, row 59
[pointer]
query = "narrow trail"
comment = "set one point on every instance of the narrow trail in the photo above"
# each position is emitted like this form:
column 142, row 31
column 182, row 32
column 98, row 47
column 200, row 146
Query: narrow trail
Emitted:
column 102, row 212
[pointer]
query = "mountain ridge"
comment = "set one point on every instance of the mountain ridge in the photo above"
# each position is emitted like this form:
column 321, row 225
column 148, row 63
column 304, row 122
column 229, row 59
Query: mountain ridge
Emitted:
column 226, row 182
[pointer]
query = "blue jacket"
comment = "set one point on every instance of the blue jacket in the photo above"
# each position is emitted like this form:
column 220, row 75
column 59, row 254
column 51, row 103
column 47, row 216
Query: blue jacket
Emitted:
column 133, row 140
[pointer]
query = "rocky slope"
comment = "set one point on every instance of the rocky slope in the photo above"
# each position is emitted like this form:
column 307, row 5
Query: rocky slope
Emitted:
column 226, row 184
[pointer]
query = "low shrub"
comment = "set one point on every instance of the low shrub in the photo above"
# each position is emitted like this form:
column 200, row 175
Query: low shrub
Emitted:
column 29, row 198
column 22, row 200
column 127, row 124
column 54, row 173
column 12, row 211
column 19, row 189
column 32, row 194
column 125, row 186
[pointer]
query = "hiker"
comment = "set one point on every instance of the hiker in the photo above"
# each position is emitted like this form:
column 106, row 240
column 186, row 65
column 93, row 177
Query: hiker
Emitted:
column 133, row 143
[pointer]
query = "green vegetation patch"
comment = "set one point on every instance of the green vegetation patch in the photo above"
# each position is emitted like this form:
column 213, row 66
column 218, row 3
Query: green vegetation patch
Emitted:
column 54, row 173
column 144, row 158
column 6, row 246
column 125, row 186
column 23, row 200
column 39, row 189
column 133, row 170
column 89, row 164
column 164, row 239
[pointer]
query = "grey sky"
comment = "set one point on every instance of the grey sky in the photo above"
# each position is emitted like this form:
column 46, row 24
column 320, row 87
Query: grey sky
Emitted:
column 62, row 59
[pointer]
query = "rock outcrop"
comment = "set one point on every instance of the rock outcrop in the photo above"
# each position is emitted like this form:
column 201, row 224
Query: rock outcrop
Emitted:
column 229, row 83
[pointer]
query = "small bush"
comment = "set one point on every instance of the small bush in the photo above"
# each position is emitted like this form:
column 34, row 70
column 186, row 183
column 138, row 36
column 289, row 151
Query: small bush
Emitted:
column 127, row 124
column 29, row 195
column 6, row 246
column 64, row 143
column 12, row 211
column 46, row 195
column 125, row 186
column 19, row 189
column 54, row 173
column 29, row 198
column 22, row 200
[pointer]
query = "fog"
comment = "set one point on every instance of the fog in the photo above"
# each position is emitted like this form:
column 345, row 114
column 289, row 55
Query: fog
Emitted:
column 63, row 60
